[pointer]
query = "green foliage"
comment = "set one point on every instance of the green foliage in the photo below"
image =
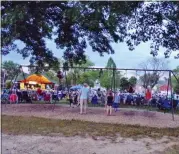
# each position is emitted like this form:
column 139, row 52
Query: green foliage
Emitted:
column 133, row 81
column 88, row 77
column 73, row 24
column 174, row 81
column 124, row 83
column 78, row 76
column 8, row 84
column 52, row 75
column 111, row 63
column 176, row 71
column 176, row 88
column 11, row 68
column 105, row 80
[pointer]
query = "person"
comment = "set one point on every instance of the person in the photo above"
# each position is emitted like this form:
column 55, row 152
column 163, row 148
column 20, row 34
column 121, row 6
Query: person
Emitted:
column 131, row 90
column 13, row 98
column 109, row 103
column 70, row 97
column 94, row 99
column 116, row 101
column 148, row 95
column 76, row 98
column 83, row 98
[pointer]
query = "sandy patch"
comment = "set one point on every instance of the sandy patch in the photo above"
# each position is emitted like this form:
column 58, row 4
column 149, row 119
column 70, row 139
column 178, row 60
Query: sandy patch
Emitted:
column 124, row 116
column 77, row 145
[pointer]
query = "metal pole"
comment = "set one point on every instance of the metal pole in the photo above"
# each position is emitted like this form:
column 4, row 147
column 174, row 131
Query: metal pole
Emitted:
column 66, row 80
column 168, row 84
column 114, row 80
column 111, row 68
column 171, row 95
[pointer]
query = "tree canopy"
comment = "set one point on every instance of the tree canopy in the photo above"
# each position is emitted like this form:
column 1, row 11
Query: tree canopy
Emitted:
column 74, row 24
column 11, row 69
column 111, row 63
column 174, row 81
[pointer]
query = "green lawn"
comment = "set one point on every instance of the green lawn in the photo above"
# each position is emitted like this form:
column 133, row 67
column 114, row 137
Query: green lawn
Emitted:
column 43, row 126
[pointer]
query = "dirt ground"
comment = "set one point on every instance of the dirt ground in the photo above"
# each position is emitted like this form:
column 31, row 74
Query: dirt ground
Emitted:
column 58, row 144
column 123, row 116
column 78, row 145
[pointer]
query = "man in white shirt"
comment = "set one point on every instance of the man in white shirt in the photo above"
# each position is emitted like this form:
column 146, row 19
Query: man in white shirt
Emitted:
column 84, row 93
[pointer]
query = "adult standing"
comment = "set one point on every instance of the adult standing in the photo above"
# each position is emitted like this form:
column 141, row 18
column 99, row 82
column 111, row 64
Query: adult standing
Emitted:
column 110, row 100
column 83, row 98
column 148, row 95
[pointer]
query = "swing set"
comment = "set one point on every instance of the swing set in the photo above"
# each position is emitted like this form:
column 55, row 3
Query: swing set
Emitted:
column 113, row 83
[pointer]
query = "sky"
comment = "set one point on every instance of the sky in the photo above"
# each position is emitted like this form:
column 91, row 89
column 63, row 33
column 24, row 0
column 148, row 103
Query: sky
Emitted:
column 123, row 57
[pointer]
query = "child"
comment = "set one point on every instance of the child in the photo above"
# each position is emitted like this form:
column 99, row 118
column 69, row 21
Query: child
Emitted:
column 13, row 98
column 70, row 97
column 116, row 101
column 109, row 103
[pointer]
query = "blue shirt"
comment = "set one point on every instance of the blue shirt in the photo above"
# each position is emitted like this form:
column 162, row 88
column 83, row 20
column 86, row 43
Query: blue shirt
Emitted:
column 117, row 99
column 84, row 93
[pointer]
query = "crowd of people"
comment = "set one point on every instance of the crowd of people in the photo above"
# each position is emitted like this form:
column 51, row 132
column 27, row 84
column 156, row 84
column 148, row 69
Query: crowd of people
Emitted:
column 80, row 97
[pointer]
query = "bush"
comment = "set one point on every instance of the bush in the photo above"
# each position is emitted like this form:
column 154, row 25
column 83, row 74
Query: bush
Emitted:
column 8, row 84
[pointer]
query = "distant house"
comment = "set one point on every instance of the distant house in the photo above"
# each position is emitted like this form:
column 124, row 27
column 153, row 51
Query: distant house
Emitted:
column 163, row 88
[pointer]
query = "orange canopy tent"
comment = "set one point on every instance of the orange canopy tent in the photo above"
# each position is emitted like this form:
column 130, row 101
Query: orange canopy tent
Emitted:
column 37, row 78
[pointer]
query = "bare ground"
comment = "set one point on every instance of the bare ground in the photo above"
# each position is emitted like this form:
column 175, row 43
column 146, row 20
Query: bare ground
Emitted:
column 77, row 145
column 124, row 116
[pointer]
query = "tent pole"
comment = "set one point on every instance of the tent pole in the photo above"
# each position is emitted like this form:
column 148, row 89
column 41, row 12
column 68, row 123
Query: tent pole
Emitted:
column 171, row 95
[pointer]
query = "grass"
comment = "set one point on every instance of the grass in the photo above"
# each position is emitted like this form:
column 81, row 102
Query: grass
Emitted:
column 32, row 125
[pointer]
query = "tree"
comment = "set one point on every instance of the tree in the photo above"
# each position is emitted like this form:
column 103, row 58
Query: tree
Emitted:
column 11, row 68
column 111, row 74
column 74, row 24
column 175, row 83
column 88, row 77
column 176, row 88
column 111, row 63
column 151, row 78
column 124, row 83
column 74, row 74
column 133, row 81
column 52, row 75
column 176, row 71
